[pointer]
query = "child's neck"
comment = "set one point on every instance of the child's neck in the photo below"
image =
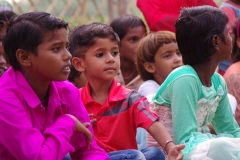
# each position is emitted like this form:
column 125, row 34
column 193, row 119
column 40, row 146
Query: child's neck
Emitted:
column 38, row 86
column 129, row 71
column 205, row 72
column 100, row 91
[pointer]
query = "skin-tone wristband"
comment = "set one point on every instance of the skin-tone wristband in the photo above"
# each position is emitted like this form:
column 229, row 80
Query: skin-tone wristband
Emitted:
column 165, row 146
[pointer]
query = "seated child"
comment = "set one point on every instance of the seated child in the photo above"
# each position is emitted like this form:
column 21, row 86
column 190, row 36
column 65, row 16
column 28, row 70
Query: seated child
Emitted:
column 130, row 30
column 41, row 114
column 195, row 93
column 157, row 56
column 118, row 111
column 4, row 17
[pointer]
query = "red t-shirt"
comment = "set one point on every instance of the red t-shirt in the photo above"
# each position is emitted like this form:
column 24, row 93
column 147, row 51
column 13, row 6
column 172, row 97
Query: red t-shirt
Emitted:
column 119, row 116
column 162, row 14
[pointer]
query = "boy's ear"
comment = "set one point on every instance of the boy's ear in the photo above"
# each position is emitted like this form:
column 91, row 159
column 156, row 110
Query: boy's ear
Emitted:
column 78, row 64
column 23, row 57
column 215, row 42
column 149, row 66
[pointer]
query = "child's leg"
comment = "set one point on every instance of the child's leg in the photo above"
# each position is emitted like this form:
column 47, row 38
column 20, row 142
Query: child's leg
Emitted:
column 153, row 153
column 129, row 154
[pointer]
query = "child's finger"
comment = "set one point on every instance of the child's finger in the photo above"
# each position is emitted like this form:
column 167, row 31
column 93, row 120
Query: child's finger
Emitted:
column 90, row 115
column 180, row 147
column 86, row 124
column 88, row 137
column 93, row 121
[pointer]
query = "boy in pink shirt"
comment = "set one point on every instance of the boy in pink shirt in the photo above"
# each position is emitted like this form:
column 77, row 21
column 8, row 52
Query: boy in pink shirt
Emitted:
column 41, row 114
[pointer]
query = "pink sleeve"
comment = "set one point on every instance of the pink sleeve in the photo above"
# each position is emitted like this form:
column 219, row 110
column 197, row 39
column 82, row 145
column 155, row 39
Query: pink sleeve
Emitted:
column 94, row 152
column 23, row 141
column 231, row 16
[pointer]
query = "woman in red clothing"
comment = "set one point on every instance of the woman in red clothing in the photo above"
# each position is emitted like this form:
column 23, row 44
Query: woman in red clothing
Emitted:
column 162, row 14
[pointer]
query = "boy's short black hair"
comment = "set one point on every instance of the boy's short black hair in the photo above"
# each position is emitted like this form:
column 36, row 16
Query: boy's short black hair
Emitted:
column 195, row 29
column 83, row 37
column 121, row 24
column 27, row 31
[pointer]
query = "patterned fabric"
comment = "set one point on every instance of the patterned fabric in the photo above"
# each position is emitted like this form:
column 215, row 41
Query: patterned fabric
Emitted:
column 193, row 107
column 118, row 117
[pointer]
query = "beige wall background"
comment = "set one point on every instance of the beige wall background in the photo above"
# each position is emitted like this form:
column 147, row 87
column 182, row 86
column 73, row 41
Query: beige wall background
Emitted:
column 78, row 12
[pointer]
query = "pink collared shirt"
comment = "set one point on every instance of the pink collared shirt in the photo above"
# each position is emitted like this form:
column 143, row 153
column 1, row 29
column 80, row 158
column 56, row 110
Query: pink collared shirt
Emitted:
column 29, row 132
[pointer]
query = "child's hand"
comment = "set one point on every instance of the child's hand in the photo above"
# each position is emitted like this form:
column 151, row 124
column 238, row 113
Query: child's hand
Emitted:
column 82, row 128
column 92, row 120
column 175, row 153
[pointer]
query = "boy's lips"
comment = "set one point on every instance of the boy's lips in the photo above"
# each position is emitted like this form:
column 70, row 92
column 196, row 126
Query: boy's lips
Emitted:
column 109, row 69
column 177, row 66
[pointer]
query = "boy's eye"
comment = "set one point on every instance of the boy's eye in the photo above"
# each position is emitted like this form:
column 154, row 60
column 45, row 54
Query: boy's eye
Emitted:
column 114, row 53
column 56, row 49
column 99, row 55
column 133, row 39
column 179, row 53
column 166, row 56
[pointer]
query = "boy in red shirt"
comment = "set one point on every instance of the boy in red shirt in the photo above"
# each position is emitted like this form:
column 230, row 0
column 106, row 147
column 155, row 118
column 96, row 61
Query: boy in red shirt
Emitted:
column 118, row 111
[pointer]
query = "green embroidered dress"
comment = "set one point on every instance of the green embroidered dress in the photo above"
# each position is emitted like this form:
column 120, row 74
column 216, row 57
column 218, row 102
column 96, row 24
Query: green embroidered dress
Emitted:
column 193, row 108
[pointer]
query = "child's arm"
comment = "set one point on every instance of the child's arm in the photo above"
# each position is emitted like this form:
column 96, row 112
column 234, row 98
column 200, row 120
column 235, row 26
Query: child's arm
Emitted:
column 23, row 141
column 77, row 140
column 82, row 128
column 161, row 135
column 224, row 121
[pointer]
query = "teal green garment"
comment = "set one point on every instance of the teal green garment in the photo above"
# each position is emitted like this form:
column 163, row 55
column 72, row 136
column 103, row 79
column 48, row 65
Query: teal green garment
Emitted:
column 182, row 91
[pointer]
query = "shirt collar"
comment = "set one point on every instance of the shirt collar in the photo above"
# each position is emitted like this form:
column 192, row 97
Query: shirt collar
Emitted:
column 117, row 92
column 31, row 97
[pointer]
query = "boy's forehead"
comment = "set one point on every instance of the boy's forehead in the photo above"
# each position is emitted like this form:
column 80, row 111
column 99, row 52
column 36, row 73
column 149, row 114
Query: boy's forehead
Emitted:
column 103, row 43
column 99, row 41
column 49, row 36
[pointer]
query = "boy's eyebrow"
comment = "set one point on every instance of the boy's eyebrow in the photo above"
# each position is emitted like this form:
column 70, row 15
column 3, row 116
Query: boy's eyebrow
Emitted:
column 100, row 49
column 57, row 43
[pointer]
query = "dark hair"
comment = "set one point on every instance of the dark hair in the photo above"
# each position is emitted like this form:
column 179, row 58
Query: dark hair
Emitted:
column 195, row 29
column 73, row 74
column 83, row 37
column 235, row 56
column 5, row 16
column 147, row 49
column 27, row 31
column 121, row 24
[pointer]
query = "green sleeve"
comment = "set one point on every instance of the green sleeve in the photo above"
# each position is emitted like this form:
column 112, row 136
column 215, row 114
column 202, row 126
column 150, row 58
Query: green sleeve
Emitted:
column 224, row 121
column 183, row 94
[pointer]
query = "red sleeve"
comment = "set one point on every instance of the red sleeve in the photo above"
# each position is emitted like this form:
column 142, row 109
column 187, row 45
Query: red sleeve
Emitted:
column 143, row 117
column 207, row 2
column 162, row 14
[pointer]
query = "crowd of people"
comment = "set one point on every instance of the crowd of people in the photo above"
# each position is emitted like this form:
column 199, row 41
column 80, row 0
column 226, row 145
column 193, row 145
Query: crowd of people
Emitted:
column 116, row 91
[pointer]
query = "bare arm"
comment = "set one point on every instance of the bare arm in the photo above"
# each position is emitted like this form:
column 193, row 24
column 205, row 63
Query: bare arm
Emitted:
column 161, row 135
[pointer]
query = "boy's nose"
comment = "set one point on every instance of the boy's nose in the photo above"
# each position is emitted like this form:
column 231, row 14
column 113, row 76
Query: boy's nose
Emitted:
column 67, row 55
column 110, row 57
column 178, row 59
